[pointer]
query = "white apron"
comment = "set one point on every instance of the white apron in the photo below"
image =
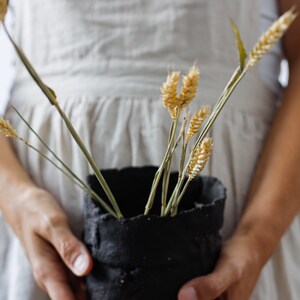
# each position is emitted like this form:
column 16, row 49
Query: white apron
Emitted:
column 106, row 60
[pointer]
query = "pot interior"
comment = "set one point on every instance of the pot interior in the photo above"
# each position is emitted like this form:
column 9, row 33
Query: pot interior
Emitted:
column 131, row 187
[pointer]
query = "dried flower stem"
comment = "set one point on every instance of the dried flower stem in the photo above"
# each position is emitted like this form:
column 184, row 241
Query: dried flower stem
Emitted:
column 47, row 147
column 167, row 172
column 262, row 47
column 174, row 206
column 53, row 100
column 75, row 179
column 92, row 163
column 195, row 166
column 7, row 129
column 160, row 170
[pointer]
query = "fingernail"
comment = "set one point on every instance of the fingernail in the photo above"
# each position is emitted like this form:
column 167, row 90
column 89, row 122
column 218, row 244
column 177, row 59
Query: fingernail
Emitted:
column 80, row 264
column 188, row 294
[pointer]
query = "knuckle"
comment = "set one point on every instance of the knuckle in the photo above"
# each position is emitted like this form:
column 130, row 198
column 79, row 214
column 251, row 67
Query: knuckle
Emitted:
column 213, row 287
column 67, row 249
column 39, row 274
column 50, row 222
column 236, row 269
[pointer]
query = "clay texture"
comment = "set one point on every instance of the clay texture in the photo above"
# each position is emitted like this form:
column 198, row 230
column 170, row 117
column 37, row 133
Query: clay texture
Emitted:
column 149, row 257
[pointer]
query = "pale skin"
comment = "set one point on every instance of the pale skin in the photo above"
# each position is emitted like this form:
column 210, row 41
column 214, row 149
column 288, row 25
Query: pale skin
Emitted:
column 49, row 242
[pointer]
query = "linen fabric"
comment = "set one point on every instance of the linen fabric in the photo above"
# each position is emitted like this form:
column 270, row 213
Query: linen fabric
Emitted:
column 106, row 61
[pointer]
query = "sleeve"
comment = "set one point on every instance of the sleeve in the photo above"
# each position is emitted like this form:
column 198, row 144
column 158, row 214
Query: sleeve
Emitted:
column 7, row 58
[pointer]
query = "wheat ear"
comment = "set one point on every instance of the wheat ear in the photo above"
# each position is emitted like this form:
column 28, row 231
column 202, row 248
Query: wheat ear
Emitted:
column 7, row 129
column 269, row 38
column 197, row 121
column 200, row 158
column 189, row 88
column 169, row 94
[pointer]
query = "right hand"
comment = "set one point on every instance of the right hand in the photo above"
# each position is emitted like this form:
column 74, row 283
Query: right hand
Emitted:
column 58, row 259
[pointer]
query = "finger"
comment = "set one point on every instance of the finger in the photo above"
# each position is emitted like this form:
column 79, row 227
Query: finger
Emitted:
column 78, row 287
column 73, row 252
column 82, row 293
column 48, row 270
column 211, row 286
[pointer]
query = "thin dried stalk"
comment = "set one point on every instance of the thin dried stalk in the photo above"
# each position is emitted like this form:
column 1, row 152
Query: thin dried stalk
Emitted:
column 197, row 121
column 273, row 34
column 167, row 172
column 9, row 131
column 161, row 168
column 53, row 100
column 166, row 177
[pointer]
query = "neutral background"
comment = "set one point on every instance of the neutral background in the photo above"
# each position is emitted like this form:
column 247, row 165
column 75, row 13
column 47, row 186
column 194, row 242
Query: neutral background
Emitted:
column 7, row 69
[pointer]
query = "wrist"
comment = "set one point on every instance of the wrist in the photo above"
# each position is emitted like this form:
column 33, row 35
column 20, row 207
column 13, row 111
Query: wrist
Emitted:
column 16, row 199
column 262, row 238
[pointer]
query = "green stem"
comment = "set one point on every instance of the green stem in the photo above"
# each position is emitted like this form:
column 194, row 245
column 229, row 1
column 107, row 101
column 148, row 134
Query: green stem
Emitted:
column 174, row 208
column 47, row 147
column 236, row 78
column 183, row 155
column 30, row 69
column 91, row 162
column 158, row 174
column 167, row 172
column 83, row 186
column 174, row 195
column 220, row 104
column 53, row 100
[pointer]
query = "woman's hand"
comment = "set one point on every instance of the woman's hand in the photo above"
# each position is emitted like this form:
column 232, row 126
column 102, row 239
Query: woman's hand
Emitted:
column 56, row 256
column 274, row 195
column 235, row 275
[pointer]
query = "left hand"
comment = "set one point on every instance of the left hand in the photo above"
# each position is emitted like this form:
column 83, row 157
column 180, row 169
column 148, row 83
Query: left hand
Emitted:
column 234, row 277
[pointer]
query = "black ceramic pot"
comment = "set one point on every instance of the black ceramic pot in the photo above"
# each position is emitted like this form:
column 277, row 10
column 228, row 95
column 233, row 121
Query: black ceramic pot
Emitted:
column 149, row 257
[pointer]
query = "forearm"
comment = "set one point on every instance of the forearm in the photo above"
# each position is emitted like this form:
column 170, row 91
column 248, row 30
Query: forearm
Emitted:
column 14, row 182
column 274, row 198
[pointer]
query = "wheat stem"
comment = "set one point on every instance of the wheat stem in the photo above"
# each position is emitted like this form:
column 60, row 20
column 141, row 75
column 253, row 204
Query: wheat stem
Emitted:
column 75, row 180
column 53, row 100
column 159, row 172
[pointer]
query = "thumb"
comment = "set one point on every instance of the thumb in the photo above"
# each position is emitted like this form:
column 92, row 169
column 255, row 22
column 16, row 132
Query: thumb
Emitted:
column 211, row 286
column 72, row 251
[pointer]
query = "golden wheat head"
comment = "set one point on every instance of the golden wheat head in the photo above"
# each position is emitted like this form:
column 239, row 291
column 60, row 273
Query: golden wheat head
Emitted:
column 273, row 34
column 169, row 90
column 169, row 94
column 197, row 121
column 189, row 88
column 200, row 158
column 7, row 129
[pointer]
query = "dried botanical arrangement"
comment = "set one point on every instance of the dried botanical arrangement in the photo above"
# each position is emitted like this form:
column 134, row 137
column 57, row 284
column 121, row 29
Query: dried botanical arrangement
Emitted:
column 175, row 103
